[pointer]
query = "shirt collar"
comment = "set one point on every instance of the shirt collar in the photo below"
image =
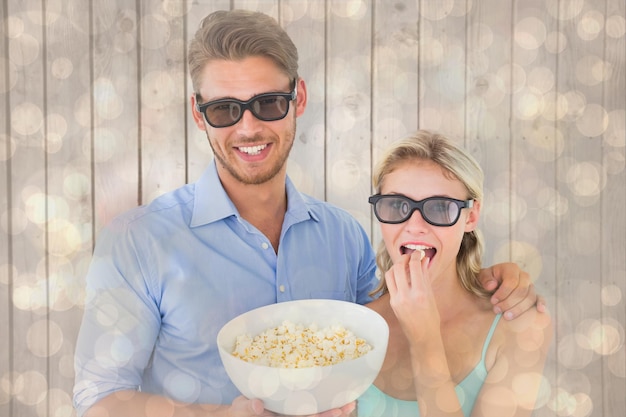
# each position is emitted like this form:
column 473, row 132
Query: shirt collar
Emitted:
column 211, row 203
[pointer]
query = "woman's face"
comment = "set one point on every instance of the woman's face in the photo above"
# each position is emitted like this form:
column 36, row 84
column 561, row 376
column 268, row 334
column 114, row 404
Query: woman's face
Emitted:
column 420, row 179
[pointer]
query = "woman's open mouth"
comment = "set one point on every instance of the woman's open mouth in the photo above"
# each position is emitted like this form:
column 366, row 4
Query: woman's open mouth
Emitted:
column 429, row 252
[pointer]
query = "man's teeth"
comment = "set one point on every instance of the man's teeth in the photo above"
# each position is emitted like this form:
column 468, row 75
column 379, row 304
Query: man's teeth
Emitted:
column 252, row 150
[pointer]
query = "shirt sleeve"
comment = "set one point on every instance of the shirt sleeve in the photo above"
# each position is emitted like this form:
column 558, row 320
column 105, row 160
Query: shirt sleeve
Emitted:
column 120, row 323
column 367, row 280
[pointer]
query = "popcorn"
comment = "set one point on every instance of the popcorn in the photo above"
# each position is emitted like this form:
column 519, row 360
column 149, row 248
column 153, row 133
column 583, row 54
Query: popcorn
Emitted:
column 292, row 345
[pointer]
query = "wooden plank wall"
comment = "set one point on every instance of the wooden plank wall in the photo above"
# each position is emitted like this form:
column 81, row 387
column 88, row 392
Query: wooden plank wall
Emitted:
column 94, row 120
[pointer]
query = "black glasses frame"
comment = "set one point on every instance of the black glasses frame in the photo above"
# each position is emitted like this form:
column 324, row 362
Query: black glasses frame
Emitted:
column 247, row 105
column 418, row 205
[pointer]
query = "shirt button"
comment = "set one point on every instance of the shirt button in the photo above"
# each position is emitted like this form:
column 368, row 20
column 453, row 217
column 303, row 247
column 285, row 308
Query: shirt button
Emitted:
column 281, row 288
column 264, row 245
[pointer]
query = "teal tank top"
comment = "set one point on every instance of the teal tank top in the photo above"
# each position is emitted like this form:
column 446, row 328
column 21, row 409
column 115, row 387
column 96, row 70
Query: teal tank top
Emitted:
column 375, row 403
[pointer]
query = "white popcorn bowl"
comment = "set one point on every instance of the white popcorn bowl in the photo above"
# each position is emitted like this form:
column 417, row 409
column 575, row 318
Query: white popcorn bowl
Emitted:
column 304, row 391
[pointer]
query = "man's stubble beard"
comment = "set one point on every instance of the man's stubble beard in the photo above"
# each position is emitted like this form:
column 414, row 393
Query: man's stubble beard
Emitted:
column 255, row 180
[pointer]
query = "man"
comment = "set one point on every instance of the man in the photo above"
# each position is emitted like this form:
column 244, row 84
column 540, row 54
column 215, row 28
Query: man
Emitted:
column 165, row 277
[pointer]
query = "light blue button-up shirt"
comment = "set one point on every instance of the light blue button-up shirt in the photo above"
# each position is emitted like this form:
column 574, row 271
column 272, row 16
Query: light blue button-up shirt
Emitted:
column 165, row 277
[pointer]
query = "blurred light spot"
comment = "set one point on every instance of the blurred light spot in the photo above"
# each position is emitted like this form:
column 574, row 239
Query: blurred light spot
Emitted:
column 124, row 42
column 176, row 8
column 345, row 174
column 31, row 387
column 36, row 208
column 592, row 70
column 352, row 9
column 483, row 39
column 546, row 143
column 556, row 42
column 436, row 10
column 182, row 386
column 106, row 142
column 611, row 295
column 576, row 103
column 530, row 33
column 23, row 50
column 76, row 186
column 26, row 118
column 571, row 354
column 615, row 134
column 564, row 10
column 44, row 338
column 61, row 68
column 58, row 404
column 584, row 239
column 513, row 78
column 158, row 90
column 528, row 105
column 605, row 338
column 158, row 28
column 593, row 121
column 552, row 201
column 617, row 362
column 586, row 179
column 541, row 80
column 66, row 365
column 590, row 25
column 82, row 111
column 263, row 384
column 524, row 254
column 14, row 27
column 555, row 106
column 107, row 315
column 108, row 103
column 7, row 147
column 18, row 221
column 615, row 26
column 614, row 162
column 7, row 82
column 432, row 52
column 64, row 238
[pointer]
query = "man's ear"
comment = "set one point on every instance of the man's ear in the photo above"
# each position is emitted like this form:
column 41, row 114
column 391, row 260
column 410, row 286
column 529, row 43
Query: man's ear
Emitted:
column 198, row 117
column 471, row 221
column 301, row 100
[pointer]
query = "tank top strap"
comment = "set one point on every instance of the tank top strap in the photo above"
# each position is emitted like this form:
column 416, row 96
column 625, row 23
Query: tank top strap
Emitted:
column 489, row 336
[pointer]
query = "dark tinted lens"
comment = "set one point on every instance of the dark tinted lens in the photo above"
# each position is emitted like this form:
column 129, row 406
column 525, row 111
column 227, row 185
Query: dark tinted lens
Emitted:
column 442, row 211
column 224, row 113
column 393, row 209
column 270, row 107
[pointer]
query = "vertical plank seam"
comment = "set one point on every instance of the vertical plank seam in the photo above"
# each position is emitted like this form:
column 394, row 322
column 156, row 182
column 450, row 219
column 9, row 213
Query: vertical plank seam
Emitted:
column 326, row 37
column 468, row 34
column 9, row 200
column 46, row 185
column 372, row 89
column 419, row 61
column 186, row 114
column 557, row 66
column 92, row 127
column 511, row 137
column 139, row 91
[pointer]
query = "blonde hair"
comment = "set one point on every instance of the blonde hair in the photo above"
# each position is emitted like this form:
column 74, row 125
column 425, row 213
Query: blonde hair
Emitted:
column 425, row 145
column 237, row 34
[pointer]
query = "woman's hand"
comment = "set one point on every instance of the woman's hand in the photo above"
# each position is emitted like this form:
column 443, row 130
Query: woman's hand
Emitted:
column 412, row 298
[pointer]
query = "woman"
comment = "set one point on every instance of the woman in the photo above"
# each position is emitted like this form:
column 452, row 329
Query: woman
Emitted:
column 448, row 354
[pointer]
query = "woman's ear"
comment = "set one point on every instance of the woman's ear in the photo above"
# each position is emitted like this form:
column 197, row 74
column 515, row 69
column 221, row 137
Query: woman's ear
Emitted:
column 471, row 221
column 198, row 117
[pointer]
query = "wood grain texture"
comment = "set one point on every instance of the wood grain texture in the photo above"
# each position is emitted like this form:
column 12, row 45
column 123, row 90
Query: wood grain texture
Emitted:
column 95, row 120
